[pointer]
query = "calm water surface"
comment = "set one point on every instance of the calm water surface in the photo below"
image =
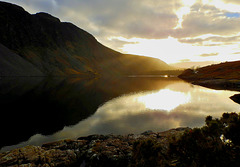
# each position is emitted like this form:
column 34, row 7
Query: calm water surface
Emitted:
column 69, row 108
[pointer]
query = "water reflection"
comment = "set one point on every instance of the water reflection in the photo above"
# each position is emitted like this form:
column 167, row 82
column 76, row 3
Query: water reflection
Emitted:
column 163, row 99
column 173, row 104
column 38, row 105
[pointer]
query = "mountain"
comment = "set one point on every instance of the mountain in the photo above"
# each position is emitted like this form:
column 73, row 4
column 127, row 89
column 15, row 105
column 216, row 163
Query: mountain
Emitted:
column 59, row 48
column 12, row 64
column 218, row 76
column 227, row 70
column 190, row 64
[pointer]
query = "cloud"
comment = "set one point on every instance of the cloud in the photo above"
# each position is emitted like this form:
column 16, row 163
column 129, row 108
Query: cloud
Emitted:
column 232, row 1
column 135, row 19
column 37, row 5
column 207, row 19
column 197, row 25
column 117, row 43
column 143, row 19
column 237, row 53
column 209, row 54
column 211, row 41
column 185, row 60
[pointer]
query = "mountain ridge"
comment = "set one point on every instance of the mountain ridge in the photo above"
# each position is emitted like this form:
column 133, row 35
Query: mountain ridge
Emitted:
column 60, row 48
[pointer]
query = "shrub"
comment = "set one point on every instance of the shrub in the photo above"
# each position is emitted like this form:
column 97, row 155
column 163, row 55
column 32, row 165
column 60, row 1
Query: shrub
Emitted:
column 147, row 153
column 215, row 144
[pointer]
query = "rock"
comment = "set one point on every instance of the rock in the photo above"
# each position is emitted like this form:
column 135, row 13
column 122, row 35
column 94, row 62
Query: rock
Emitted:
column 37, row 156
column 94, row 150
column 147, row 132
column 236, row 98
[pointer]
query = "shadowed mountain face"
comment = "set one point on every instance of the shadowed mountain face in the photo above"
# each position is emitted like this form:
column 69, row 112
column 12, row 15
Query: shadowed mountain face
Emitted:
column 60, row 48
column 12, row 64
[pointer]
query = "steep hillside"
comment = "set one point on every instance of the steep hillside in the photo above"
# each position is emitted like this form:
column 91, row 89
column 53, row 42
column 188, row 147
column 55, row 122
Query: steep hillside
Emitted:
column 60, row 48
column 12, row 64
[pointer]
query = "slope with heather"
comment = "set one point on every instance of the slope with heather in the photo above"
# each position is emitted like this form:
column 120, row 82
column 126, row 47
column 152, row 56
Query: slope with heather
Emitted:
column 219, row 76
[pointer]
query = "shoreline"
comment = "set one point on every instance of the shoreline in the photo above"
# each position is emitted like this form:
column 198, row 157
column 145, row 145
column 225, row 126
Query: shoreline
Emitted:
column 116, row 150
column 219, row 84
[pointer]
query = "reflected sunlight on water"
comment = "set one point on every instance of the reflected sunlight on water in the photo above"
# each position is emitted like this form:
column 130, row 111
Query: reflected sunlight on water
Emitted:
column 165, row 99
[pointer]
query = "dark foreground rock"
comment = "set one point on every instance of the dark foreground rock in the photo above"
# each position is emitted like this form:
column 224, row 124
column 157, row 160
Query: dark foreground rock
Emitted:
column 94, row 150
column 236, row 98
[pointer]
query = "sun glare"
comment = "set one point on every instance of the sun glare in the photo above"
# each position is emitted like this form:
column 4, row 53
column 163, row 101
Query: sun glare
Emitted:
column 172, row 51
column 183, row 11
column 180, row 13
column 164, row 49
column 164, row 100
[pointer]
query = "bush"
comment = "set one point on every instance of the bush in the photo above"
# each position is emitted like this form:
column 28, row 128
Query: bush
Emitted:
column 215, row 144
column 147, row 153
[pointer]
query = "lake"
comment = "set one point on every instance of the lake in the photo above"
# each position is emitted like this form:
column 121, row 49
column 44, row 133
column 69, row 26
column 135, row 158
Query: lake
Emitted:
column 39, row 110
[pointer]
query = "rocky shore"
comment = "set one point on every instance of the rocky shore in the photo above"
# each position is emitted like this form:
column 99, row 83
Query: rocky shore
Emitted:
column 221, row 84
column 94, row 150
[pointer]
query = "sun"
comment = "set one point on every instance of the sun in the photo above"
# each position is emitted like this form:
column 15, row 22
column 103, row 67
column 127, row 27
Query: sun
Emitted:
column 164, row 49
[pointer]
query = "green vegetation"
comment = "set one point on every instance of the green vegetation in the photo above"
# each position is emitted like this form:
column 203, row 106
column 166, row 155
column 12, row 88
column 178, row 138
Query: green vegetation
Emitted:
column 215, row 144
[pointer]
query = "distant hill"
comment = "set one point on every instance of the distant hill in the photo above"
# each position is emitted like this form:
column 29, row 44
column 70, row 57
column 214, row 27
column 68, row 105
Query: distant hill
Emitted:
column 190, row 64
column 219, row 76
column 59, row 48
column 227, row 70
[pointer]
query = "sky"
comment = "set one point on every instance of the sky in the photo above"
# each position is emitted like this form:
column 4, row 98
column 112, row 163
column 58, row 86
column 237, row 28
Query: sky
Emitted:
column 175, row 31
